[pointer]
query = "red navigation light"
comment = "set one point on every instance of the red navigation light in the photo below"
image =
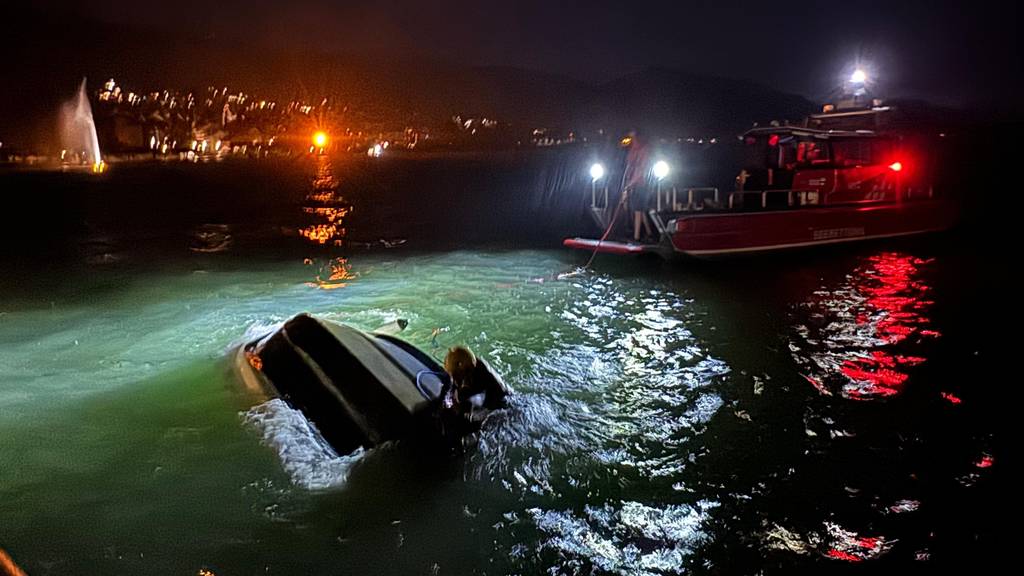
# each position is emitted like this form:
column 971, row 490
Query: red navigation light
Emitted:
column 773, row 140
column 896, row 166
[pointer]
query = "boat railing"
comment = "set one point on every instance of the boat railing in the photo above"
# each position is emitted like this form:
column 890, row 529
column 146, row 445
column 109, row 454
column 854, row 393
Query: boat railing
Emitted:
column 764, row 198
column 695, row 198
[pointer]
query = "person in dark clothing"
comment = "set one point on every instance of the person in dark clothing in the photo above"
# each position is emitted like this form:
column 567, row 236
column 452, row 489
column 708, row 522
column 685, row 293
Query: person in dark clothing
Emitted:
column 635, row 184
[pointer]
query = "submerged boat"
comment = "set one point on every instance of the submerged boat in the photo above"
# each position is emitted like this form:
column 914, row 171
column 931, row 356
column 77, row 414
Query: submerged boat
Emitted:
column 361, row 389
column 847, row 174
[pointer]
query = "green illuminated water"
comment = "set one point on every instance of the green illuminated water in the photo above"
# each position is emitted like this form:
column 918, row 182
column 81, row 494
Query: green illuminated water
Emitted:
column 664, row 421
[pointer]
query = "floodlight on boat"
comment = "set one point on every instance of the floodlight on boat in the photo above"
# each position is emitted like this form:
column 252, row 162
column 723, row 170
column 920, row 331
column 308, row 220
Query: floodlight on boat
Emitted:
column 661, row 169
column 896, row 166
column 859, row 76
column 596, row 171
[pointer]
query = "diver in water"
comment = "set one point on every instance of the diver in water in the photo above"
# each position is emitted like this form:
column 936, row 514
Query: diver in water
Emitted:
column 473, row 383
column 472, row 391
column 459, row 363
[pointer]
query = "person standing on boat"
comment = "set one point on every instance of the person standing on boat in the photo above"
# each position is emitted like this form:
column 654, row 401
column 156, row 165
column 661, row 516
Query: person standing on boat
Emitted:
column 635, row 187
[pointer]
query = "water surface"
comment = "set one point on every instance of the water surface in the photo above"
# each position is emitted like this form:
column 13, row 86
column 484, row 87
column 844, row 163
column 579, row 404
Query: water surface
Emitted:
column 815, row 411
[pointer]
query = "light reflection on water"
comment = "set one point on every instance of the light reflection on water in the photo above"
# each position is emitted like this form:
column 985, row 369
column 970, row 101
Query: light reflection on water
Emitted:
column 325, row 207
column 331, row 273
column 609, row 408
column 858, row 342
column 859, row 337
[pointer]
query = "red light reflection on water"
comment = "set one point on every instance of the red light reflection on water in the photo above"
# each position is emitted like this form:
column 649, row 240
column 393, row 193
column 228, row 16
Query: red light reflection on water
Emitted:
column 840, row 555
column 881, row 307
column 818, row 385
column 952, row 398
column 832, row 541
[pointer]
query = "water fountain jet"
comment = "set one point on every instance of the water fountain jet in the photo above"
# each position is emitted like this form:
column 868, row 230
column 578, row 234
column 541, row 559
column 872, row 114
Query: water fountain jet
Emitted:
column 78, row 131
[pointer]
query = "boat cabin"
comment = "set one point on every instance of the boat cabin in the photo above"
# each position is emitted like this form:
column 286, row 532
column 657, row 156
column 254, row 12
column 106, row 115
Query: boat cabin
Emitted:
column 819, row 166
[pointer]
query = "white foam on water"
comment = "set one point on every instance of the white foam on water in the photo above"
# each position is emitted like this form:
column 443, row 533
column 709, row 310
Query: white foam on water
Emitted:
column 252, row 332
column 308, row 459
column 631, row 538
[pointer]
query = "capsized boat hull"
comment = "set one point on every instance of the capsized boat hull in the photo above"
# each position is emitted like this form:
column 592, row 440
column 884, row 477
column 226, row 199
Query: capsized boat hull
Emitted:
column 360, row 389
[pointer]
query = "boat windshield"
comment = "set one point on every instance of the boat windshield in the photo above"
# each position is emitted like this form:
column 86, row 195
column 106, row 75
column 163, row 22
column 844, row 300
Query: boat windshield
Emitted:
column 861, row 151
column 790, row 152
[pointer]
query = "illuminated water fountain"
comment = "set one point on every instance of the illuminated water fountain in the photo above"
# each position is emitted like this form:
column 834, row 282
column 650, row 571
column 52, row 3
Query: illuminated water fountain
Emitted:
column 78, row 131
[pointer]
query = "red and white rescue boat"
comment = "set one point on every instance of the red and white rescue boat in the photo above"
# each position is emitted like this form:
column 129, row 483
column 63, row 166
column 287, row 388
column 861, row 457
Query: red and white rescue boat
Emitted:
column 800, row 186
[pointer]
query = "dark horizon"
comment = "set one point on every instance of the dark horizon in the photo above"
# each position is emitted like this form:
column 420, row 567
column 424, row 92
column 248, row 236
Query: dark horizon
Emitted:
column 938, row 51
column 527, row 63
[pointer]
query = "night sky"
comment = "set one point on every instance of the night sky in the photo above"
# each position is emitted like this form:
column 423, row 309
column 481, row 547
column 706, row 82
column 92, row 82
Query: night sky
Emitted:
column 949, row 52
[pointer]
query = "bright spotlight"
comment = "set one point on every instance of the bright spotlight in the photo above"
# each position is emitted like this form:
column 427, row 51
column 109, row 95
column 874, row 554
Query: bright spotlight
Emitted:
column 596, row 171
column 320, row 139
column 859, row 76
column 661, row 169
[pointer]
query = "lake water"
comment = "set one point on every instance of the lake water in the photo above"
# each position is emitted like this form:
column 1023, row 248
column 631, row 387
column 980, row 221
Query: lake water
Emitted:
column 810, row 411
